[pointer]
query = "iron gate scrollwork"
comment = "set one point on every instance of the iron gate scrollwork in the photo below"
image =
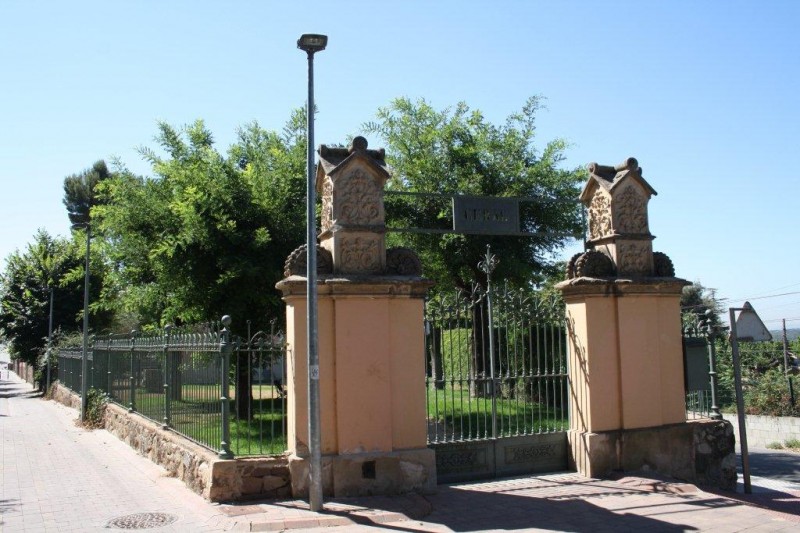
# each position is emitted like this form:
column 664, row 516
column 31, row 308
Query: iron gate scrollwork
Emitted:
column 496, row 381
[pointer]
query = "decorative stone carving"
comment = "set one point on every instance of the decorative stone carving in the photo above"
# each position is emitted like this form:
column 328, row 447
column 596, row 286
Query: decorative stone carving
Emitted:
column 600, row 215
column 327, row 205
column 359, row 200
column 616, row 198
column 403, row 262
column 360, row 254
column 630, row 211
column 591, row 264
column 662, row 266
column 634, row 258
column 297, row 262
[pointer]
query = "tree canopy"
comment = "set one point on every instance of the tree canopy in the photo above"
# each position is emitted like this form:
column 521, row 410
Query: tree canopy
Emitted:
column 80, row 192
column 25, row 285
column 209, row 234
column 457, row 151
column 699, row 303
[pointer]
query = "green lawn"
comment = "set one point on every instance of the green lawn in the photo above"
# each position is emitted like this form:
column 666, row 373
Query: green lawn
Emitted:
column 454, row 414
column 198, row 415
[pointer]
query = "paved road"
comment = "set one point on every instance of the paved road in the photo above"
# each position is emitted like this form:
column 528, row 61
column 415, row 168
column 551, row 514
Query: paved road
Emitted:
column 58, row 477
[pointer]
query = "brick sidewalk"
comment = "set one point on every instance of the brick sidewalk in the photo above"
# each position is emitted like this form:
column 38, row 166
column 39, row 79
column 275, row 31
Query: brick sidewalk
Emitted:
column 59, row 477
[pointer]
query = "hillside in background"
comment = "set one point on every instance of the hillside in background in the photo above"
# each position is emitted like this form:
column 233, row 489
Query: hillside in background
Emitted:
column 791, row 334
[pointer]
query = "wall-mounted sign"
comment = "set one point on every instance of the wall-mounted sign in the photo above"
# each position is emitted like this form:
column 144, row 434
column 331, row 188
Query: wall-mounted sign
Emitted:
column 485, row 215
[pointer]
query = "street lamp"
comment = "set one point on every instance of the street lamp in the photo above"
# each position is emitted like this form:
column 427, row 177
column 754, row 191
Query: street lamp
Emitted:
column 85, row 353
column 310, row 44
column 49, row 342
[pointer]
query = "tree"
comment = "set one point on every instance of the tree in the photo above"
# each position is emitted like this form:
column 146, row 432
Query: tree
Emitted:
column 456, row 151
column 25, row 291
column 700, row 303
column 80, row 192
column 209, row 234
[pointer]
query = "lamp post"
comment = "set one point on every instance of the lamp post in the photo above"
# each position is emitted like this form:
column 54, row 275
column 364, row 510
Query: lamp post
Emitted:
column 85, row 353
column 310, row 44
column 49, row 342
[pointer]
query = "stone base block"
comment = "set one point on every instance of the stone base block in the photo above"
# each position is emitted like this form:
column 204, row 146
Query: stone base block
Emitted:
column 369, row 474
column 700, row 451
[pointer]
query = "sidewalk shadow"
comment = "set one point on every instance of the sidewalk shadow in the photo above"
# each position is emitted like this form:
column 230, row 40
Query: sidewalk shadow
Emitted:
column 547, row 504
column 769, row 499
column 784, row 466
column 12, row 389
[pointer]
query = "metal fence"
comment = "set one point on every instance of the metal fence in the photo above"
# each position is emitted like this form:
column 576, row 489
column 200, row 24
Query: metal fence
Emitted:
column 496, row 365
column 224, row 393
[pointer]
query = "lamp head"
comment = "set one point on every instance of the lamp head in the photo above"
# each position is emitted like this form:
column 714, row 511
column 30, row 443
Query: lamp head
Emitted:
column 312, row 42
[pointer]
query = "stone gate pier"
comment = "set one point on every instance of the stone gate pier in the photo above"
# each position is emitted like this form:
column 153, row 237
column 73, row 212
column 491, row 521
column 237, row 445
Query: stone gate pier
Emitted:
column 371, row 337
column 627, row 398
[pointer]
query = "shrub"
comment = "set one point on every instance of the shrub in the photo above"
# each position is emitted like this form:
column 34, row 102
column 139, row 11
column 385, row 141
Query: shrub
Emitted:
column 96, row 401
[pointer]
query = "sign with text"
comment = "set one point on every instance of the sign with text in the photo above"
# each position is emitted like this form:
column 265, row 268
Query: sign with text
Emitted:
column 485, row 216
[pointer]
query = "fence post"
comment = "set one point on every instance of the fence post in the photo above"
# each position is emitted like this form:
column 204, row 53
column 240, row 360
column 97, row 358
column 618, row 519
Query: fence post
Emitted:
column 488, row 265
column 712, row 373
column 132, row 406
column 225, row 359
column 167, row 330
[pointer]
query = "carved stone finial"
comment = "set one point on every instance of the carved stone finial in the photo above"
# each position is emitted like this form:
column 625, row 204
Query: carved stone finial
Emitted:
column 359, row 143
column 590, row 264
column 403, row 262
column 297, row 262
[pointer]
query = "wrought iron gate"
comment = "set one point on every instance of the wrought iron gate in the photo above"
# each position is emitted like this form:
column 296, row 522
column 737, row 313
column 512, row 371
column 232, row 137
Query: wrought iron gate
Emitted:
column 496, row 381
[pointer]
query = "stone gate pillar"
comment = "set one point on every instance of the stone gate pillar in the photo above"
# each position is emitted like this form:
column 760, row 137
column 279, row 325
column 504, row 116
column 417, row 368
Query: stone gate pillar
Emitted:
column 371, row 340
column 627, row 399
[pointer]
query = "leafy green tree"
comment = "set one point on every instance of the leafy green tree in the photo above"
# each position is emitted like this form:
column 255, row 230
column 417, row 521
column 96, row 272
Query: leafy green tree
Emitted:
column 25, row 291
column 80, row 192
column 209, row 234
column 699, row 303
column 456, row 151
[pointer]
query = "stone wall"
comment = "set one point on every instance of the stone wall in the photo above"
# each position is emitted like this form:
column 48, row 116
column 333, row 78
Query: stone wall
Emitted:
column 765, row 430
column 199, row 468
column 698, row 451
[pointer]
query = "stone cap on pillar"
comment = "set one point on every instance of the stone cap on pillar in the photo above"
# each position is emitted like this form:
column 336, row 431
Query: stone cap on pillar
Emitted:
column 352, row 243
column 619, row 243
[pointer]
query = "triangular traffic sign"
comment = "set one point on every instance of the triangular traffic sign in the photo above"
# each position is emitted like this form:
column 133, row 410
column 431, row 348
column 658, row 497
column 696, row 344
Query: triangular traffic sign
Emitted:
column 749, row 326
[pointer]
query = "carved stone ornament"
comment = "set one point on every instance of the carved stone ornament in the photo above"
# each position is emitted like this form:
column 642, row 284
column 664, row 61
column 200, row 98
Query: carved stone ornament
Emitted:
column 297, row 263
column 594, row 264
column 326, row 221
column 599, row 216
column 403, row 262
column 630, row 212
column 358, row 200
column 662, row 266
column 360, row 254
column 633, row 258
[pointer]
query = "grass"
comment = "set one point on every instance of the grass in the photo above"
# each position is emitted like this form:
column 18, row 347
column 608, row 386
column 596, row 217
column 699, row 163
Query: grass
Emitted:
column 198, row 416
column 454, row 414
column 791, row 445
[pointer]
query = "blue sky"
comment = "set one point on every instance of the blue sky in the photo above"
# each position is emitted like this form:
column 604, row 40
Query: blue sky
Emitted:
column 703, row 94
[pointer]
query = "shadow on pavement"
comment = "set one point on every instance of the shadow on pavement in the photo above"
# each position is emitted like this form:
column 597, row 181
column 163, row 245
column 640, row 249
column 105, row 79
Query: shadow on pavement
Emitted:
column 771, row 500
column 587, row 505
column 784, row 466
column 12, row 389
column 559, row 506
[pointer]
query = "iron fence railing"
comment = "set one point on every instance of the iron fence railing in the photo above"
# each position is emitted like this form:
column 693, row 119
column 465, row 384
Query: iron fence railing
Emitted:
column 496, row 365
column 224, row 393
